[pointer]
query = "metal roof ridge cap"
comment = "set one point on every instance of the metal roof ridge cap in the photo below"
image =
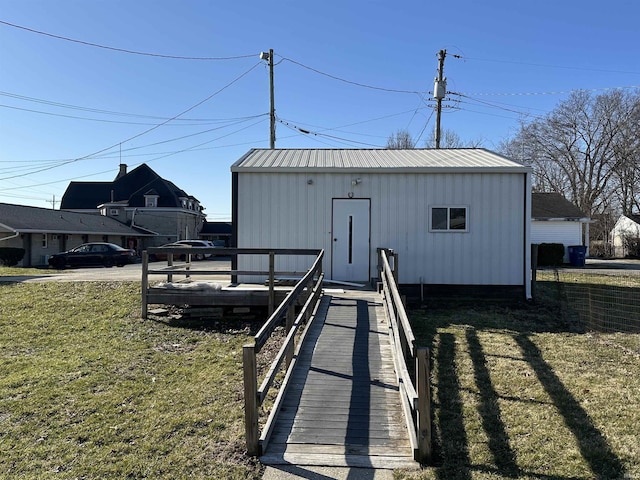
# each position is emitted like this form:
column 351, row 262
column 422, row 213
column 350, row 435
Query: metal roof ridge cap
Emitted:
column 402, row 169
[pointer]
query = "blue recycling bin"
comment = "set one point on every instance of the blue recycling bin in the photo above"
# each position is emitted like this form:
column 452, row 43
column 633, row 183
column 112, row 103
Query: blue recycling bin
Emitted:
column 577, row 255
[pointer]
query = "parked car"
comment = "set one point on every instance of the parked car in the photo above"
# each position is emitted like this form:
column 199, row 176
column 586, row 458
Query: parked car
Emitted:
column 160, row 256
column 198, row 244
column 107, row 254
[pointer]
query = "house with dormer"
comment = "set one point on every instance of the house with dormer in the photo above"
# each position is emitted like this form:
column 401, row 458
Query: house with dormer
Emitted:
column 141, row 199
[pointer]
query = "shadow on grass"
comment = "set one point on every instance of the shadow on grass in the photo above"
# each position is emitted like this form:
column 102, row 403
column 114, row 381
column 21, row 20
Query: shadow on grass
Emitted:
column 518, row 320
column 593, row 446
column 452, row 452
column 503, row 456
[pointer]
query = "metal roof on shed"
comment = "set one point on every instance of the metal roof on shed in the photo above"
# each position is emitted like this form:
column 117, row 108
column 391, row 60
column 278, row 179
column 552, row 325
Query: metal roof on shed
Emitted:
column 418, row 160
column 26, row 219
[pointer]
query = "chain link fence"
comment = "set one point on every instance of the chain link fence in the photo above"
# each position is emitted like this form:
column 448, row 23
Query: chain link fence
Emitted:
column 604, row 305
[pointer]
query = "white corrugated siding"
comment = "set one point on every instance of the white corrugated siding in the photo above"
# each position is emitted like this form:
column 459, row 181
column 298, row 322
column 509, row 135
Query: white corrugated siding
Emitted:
column 567, row 233
column 281, row 210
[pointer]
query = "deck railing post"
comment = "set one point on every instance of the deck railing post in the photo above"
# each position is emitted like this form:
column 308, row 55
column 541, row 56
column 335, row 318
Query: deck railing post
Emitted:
column 251, row 399
column 424, row 405
column 291, row 316
column 395, row 267
column 272, row 293
column 144, row 283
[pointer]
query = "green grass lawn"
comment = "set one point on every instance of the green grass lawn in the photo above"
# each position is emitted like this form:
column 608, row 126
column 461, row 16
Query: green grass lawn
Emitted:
column 89, row 390
column 519, row 391
column 22, row 272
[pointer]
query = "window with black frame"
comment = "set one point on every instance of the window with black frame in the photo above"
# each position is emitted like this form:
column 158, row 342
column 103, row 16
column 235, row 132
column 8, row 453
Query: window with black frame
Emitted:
column 449, row 219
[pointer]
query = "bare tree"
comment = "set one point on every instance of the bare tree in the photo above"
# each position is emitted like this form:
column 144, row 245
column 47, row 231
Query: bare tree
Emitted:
column 582, row 149
column 400, row 140
column 450, row 139
column 627, row 155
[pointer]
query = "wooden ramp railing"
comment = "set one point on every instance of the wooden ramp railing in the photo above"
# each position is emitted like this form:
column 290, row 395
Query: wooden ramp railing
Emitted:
column 416, row 395
column 307, row 291
column 152, row 295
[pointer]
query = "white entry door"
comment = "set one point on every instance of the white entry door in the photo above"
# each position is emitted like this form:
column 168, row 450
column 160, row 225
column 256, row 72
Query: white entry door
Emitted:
column 351, row 239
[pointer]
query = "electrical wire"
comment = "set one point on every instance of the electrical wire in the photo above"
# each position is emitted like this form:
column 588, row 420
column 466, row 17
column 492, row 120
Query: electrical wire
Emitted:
column 557, row 92
column 383, row 89
column 110, row 112
column 140, row 163
column 123, row 50
column 493, row 105
column 566, row 67
column 316, row 134
column 144, row 132
column 101, row 120
column 425, row 126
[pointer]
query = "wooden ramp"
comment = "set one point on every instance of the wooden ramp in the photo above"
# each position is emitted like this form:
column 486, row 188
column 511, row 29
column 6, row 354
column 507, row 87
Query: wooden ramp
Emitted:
column 342, row 406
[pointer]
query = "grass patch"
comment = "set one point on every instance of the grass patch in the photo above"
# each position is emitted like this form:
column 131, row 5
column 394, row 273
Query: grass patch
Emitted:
column 521, row 391
column 23, row 271
column 89, row 390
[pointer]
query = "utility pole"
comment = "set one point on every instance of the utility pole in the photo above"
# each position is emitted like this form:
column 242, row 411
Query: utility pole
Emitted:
column 439, row 91
column 53, row 202
column 272, row 111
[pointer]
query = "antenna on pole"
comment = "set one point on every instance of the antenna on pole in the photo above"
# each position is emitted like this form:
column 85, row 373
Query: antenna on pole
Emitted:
column 439, row 91
column 268, row 56
column 53, row 202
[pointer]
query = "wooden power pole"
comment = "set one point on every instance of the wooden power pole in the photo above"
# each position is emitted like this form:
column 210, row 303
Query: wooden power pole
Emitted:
column 439, row 91
column 272, row 110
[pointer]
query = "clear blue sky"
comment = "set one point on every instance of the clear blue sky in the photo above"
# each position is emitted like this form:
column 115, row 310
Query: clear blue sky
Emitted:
column 71, row 111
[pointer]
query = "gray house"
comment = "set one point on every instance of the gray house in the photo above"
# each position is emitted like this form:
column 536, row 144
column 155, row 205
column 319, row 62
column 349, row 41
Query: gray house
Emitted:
column 142, row 199
column 454, row 216
column 43, row 232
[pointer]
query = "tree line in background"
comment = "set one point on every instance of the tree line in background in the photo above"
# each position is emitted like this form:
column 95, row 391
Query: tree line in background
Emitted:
column 402, row 139
column 588, row 149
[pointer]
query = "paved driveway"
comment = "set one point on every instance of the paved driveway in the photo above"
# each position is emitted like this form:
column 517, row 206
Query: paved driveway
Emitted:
column 624, row 267
column 126, row 273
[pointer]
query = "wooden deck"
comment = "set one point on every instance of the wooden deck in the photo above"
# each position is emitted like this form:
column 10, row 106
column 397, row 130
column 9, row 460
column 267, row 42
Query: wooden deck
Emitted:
column 342, row 406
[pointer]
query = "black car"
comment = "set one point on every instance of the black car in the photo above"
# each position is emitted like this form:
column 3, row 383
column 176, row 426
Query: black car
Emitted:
column 107, row 254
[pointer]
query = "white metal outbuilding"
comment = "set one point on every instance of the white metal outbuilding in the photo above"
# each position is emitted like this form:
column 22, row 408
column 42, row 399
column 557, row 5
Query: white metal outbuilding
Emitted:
column 453, row 216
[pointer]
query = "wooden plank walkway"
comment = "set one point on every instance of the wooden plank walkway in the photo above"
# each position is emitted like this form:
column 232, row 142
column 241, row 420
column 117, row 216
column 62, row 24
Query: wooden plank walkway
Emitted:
column 342, row 406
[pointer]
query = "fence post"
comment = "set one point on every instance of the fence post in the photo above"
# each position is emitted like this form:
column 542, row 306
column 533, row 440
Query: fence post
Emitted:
column 272, row 293
column 534, row 269
column 169, row 264
column 144, row 283
column 424, row 404
column 251, row 399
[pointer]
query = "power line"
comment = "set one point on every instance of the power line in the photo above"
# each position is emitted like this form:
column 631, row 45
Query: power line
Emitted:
column 493, row 105
column 383, row 89
column 123, row 50
column 144, row 132
column 311, row 133
column 140, row 163
column 105, row 112
column 566, row 67
column 557, row 92
column 75, row 117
